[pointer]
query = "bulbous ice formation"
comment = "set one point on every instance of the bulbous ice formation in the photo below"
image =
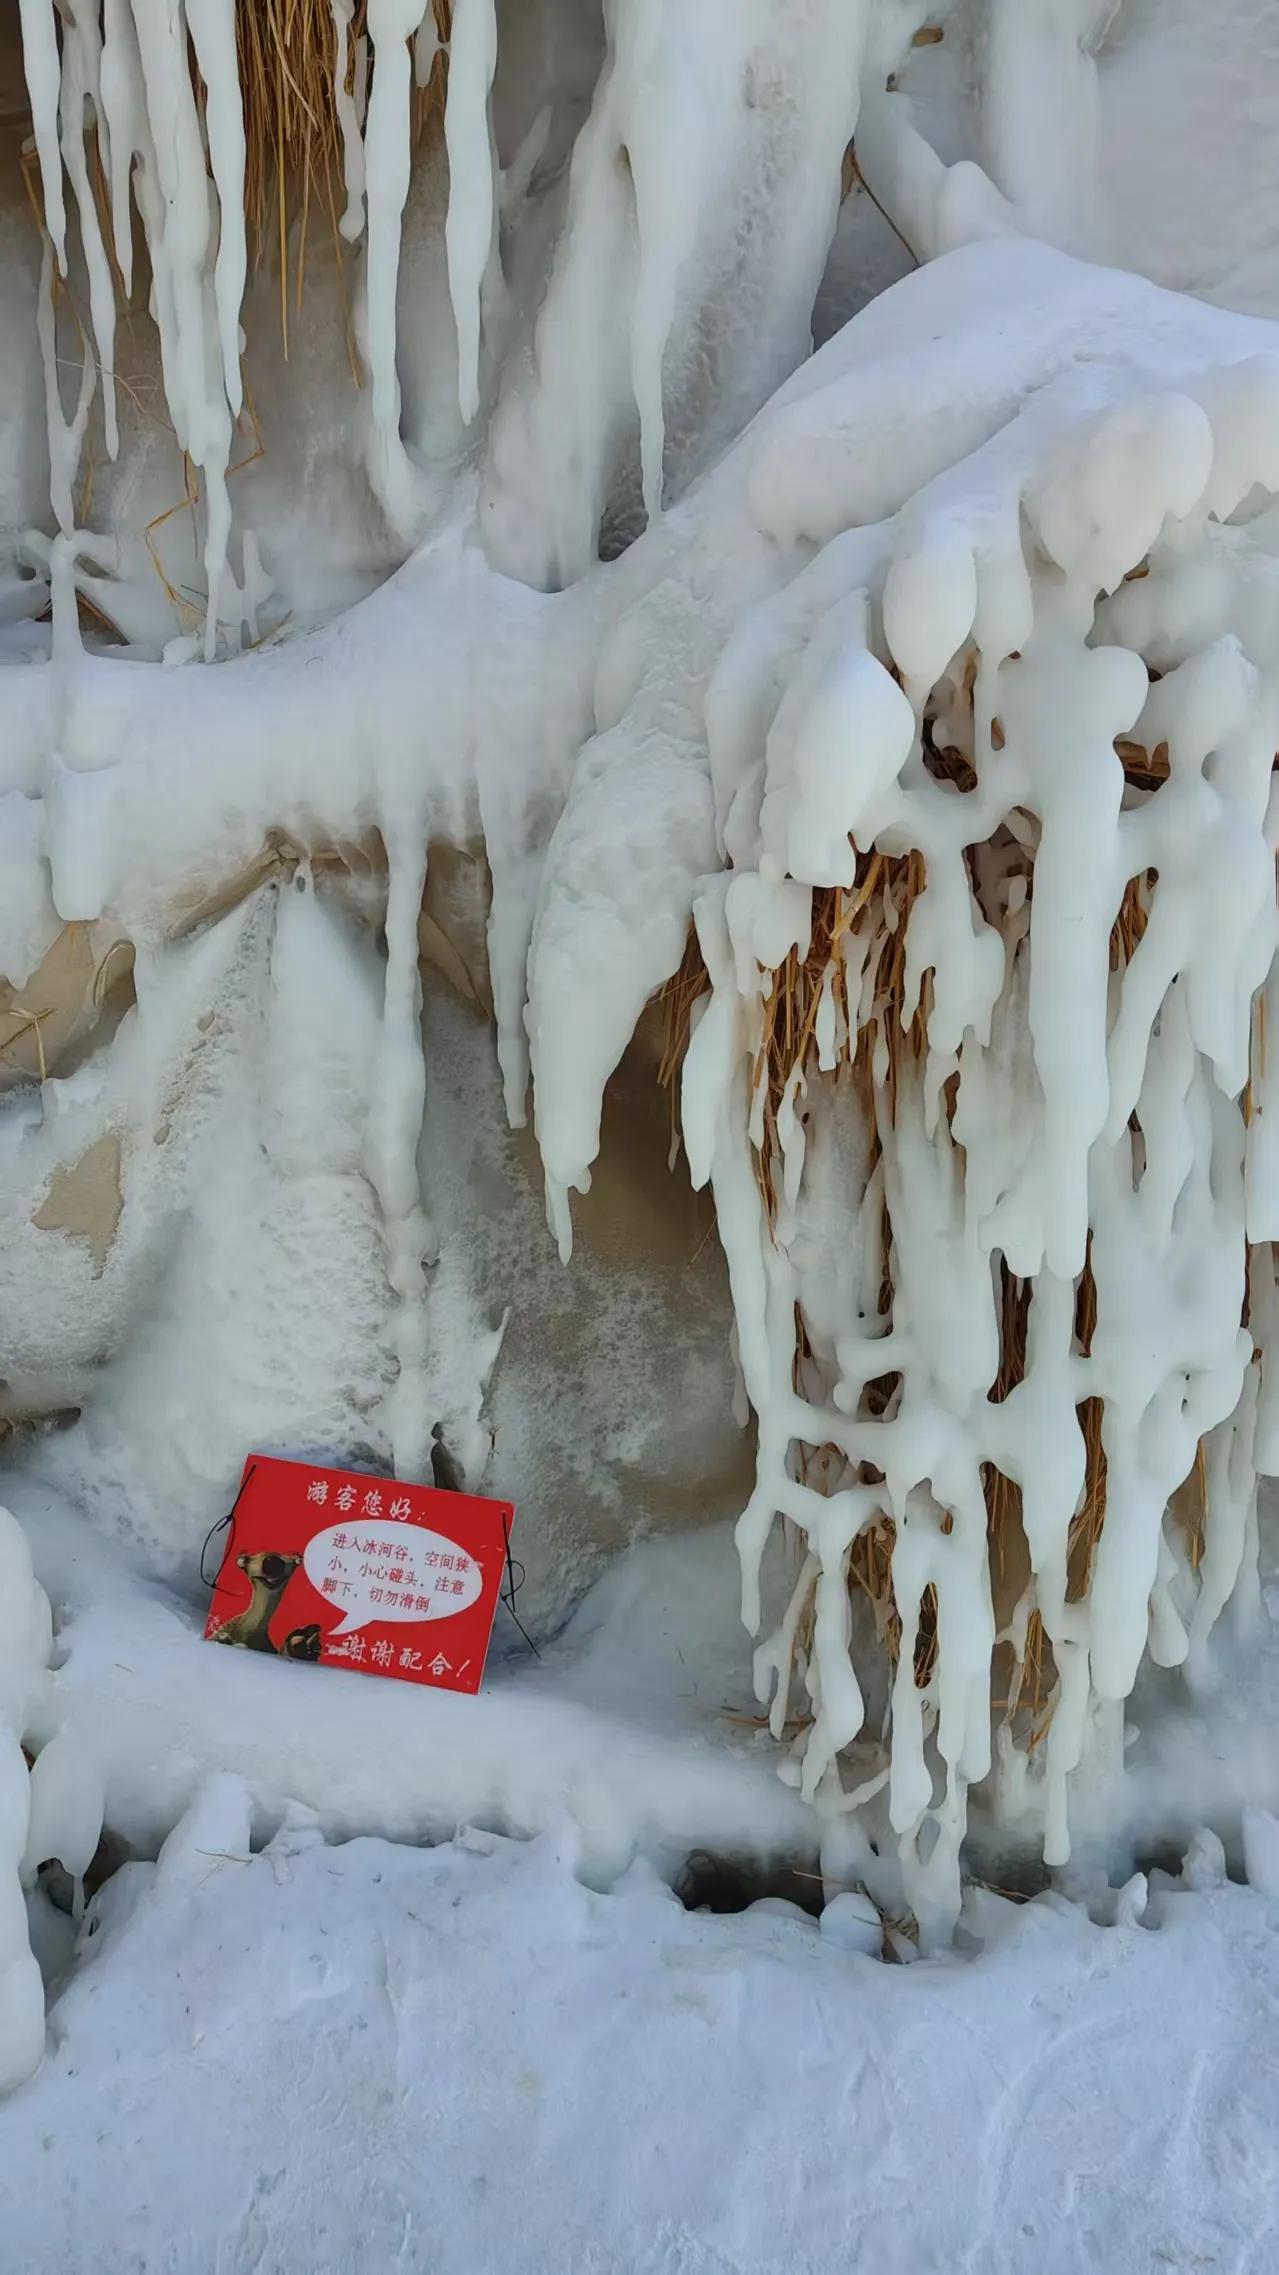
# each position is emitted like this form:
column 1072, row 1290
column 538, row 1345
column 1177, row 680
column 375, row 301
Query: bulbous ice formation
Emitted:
column 25, row 1635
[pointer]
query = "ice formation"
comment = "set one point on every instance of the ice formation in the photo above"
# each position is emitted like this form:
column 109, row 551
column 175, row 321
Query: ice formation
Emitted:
column 25, row 1637
column 1065, row 1108
column 935, row 684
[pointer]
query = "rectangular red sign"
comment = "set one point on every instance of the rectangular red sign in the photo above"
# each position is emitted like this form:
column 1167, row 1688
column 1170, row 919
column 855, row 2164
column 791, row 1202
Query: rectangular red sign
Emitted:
column 352, row 1571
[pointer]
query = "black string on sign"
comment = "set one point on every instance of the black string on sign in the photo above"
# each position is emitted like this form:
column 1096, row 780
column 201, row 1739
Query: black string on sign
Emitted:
column 211, row 1579
column 513, row 1587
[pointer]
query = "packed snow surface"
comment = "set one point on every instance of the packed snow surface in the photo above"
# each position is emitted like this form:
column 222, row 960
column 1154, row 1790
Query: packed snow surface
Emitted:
column 316, row 2058
column 324, row 2048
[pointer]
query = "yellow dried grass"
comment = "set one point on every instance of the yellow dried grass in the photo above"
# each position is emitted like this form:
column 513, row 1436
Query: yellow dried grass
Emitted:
column 293, row 137
column 286, row 55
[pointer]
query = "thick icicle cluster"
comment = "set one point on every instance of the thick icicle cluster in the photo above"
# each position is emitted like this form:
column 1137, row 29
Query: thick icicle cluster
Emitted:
column 158, row 82
column 125, row 67
column 696, row 211
column 1067, row 1110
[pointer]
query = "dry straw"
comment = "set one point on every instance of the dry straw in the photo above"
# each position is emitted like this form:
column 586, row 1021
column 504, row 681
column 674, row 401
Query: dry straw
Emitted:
column 293, row 139
column 289, row 63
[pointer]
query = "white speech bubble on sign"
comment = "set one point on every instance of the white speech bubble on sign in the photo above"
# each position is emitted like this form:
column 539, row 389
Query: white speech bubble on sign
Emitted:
column 380, row 1572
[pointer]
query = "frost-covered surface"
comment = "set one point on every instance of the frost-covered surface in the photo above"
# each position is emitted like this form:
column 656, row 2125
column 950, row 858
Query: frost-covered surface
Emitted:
column 463, row 2058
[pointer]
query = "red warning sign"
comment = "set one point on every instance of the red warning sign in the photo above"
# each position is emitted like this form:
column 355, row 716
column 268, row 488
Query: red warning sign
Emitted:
column 352, row 1571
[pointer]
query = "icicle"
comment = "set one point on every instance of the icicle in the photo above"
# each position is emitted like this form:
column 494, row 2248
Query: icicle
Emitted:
column 469, row 227
column 81, row 66
column 394, row 1132
column 833, row 1524
column 179, row 253
column 775, row 1658
column 352, row 222
column 1021, row 1015
column 1263, row 1292
column 212, row 24
column 65, row 441
column 1075, row 901
column 43, row 75
column 387, row 159
column 124, row 109
column 509, row 931
column 194, row 380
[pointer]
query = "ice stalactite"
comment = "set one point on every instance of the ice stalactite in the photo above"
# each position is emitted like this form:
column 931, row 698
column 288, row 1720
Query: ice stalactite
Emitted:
column 387, row 152
column 21, row 1988
column 348, row 113
column 128, row 142
column 212, row 27
column 130, row 71
column 667, row 200
column 81, row 94
column 1052, row 659
column 43, row 71
column 470, row 227
column 65, row 1820
column 65, row 436
column 186, row 312
column 395, row 1127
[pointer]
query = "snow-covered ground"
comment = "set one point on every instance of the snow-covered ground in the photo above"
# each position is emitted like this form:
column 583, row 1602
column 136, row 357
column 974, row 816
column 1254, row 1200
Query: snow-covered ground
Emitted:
column 460, row 2059
column 291, row 2047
